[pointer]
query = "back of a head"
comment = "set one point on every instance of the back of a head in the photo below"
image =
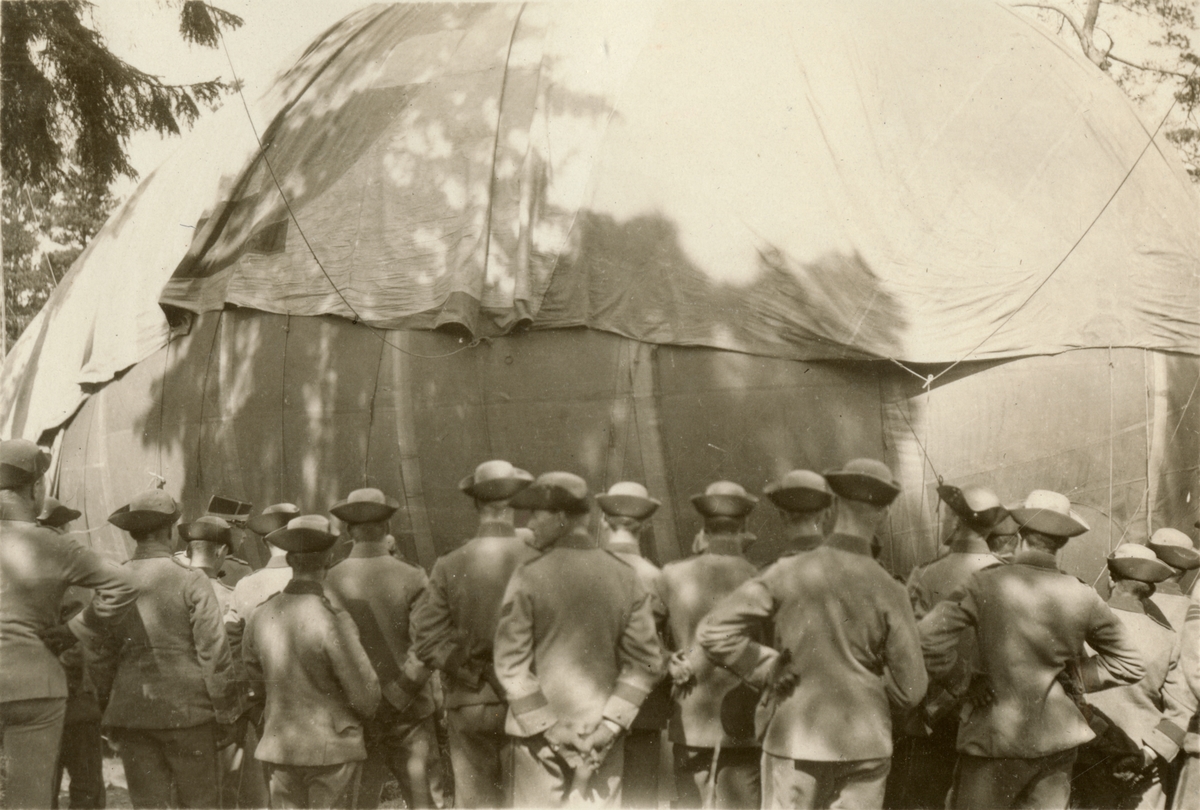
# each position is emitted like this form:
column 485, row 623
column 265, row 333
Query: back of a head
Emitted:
column 720, row 524
column 308, row 562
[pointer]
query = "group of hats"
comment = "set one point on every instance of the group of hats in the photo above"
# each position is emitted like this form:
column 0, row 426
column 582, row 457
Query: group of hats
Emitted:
column 1168, row 550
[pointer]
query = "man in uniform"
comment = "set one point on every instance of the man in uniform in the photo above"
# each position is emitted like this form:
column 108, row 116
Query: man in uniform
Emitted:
column 1175, row 549
column 1187, row 788
column 627, row 507
column 1020, row 728
column 1142, row 725
column 713, row 715
column 305, row 658
column 378, row 591
column 453, row 625
column 924, row 757
column 576, row 653
column 803, row 499
column 844, row 653
column 173, row 695
column 37, row 565
column 209, row 539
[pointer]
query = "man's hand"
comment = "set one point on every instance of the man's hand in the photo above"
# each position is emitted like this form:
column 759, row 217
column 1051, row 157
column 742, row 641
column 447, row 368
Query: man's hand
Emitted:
column 1149, row 756
column 979, row 693
column 397, row 695
column 563, row 739
column 599, row 743
column 58, row 638
column 227, row 734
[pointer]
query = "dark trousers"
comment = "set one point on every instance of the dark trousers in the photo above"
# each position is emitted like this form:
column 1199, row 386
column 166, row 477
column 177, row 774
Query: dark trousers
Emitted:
column 481, row 755
column 923, row 769
column 738, row 779
column 157, row 758
column 639, row 781
column 408, row 749
column 542, row 778
column 82, row 757
column 996, row 783
column 32, row 731
column 317, row 786
column 807, row 785
column 243, row 778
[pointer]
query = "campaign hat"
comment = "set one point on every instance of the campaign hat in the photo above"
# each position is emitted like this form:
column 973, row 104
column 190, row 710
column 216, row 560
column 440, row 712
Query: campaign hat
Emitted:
column 274, row 517
column 866, row 480
column 21, row 462
column 1175, row 549
column 495, row 480
column 1049, row 513
column 210, row 528
column 1135, row 561
column 977, row 507
column 800, row 491
column 554, row 492
column 56, row 514
column 724, row 499
column 148, row 511
column 303, row 534
column 367, row 505
column 628, row 499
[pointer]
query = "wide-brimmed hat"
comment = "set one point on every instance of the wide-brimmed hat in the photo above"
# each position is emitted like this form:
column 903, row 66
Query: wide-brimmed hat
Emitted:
column 554, row 492
column 1175, row 549
column 724, row 499
column 148, row 511
column 209, row 528
column 273, row 518
column 800, row 491
column 307, row 533
column 56, row 514
column 1134, row 561
column 978, row 507
column 866, row 480
column 21, row 462
column 495, row 480
column 1049, row 513
column 628, row 499
column 367, row 505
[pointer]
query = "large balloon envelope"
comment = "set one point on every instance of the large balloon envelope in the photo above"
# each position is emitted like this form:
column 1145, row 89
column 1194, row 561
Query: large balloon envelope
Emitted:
column 666, row 241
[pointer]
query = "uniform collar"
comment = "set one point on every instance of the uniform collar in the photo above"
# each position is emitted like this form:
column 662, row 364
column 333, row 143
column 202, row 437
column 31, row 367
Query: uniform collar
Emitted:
column 151, row 549
column 277, row 562
column 304, row 586
column 805, row 542
column 14, row 507
column 728, row 546
column 368, row 550
column 1170, row 587
column 1126, row 602
column 1036, row 558
column 579, row 538
column 495, row 528
column 624, row 542
column 849, row 542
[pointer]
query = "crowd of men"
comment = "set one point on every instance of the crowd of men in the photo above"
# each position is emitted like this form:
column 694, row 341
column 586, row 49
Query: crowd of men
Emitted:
column 554, row 659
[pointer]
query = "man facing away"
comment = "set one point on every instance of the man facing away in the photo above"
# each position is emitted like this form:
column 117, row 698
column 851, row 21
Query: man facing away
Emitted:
column 802, row 498
column 173, row 694
column 1020, row 724
column 1174, row 548
column 844, row 653
column 713, row 716
column 1143, row 724
column 378, row 591
column 453, row 626
column 37, row 565
column 305, row 658
column 627, row 507
column 576, row 652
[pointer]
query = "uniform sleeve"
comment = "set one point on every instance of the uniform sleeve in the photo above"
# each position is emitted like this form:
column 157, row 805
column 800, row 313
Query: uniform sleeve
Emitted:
column 905, row 679
column 1117, row 660
column 1179, row 704
column 726, row 633
column 352, row 666
column 639, row 655
column 939, row 633
column 255, row 688
column 115, row 595
column 1189, row 658
column 513, row 656
column 212, row 649
column 435, row 641
column 918, row 595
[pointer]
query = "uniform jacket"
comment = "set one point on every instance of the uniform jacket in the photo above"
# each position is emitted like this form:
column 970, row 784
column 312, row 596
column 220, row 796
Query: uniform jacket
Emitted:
column 453, row 623
column 689, row 589
column 1154, row 711
column 36, row 567
column 763, row 553
column 934, row 582
column 168, row 662
column 378, row 591
column 1031, row 621
column 1172, row 602
column 83, row 705
column 849, row 633
column 319, row 684
column 576, row 641
column 656, row 708
column 1189, row 662
column 251, row 591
